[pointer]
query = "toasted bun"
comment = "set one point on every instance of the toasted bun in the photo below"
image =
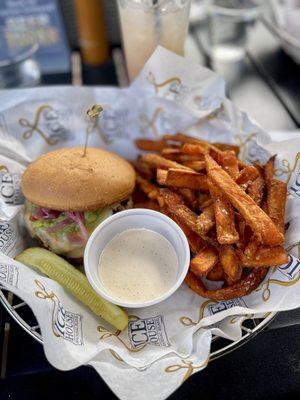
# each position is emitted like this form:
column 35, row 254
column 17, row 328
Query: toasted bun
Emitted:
column 65, row 180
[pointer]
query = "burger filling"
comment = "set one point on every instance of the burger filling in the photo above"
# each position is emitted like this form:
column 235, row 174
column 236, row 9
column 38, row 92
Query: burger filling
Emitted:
column 66, row 232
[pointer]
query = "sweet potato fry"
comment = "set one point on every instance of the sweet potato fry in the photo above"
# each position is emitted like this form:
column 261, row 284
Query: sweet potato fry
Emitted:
column 224, row 215
column 151, row 190
column 204, row 200
column 265, row 256
column 150, row 145
column 256, row 188
column 206, row 220
column 194, row 149
column 170, row 199
column 161, row 176
column 246, row 285
column 229, row 163
column 196, row 243
column 143, row 169
column 189, row 197
column 180, row 178
column 269, row 169
column 157, row 161
column 276, row 199
column 150, row 204
column 177, row 155
column 247, row 175
column 204, row 261
column 226, row 146
column 251, row 247
column 255, row 217
column 197, row 166
column 217, row 273
column 230, row 263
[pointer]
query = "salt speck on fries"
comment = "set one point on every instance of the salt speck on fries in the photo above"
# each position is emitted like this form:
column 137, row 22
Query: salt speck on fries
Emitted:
column 231, row 213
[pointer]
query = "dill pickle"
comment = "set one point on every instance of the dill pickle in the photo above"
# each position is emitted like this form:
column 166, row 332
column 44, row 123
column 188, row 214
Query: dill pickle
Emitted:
column 75, row 281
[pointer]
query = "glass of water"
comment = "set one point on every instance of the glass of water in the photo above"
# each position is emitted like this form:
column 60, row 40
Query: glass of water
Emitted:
column 148, row 23
column 227, row 26
column 18, row 67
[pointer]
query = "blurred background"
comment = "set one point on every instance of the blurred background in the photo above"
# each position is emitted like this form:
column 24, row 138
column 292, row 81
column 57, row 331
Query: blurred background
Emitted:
column 254, row 44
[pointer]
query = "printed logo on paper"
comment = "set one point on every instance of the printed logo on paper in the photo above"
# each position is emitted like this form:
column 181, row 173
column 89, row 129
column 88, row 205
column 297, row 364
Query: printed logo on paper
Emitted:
column 295, row 187
column 290, row 269
column 256, row 153
column 7, row 237
column 10, row 190
column 225, row 305
column 9, row 274
column 148, row 331
column 65, row 324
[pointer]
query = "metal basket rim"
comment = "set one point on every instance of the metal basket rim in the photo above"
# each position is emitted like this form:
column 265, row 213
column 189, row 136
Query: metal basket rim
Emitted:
column 214, row 355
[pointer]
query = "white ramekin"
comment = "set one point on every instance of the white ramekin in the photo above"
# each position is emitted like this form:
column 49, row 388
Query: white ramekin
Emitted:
column 136, row 218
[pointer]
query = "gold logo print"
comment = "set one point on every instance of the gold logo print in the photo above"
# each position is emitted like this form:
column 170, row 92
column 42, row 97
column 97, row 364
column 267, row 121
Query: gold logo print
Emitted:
column 44, row 295
column 34, row 127
column 157, row 86
column 188, row 366
column 242, row 142
column 150, row 123
column 187, row 321
column 3, row 168
column 286, row 168
column 65, row 324
column 105, row 334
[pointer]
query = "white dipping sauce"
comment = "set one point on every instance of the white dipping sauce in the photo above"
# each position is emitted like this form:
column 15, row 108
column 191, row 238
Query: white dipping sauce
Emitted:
column 138, row 265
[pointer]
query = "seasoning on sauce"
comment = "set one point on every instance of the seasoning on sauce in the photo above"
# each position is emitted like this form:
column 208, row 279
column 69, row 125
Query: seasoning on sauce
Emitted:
column 138, row 265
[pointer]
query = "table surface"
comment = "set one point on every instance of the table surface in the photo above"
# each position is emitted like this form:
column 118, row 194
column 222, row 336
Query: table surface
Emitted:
column 266, row 84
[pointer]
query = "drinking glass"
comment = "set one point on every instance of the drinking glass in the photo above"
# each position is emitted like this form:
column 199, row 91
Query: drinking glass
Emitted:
column 148, row 23
column 18, row 67
column 227, row 26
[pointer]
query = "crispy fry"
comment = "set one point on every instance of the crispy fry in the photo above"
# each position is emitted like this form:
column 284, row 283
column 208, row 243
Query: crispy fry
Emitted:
column 224, row 215
column 247, row 175
column 143, row 169
column 276, row 199
column 196, row 243
column 246, row 285
column 269, row 169
column 206, row 220
column 226, row 146
column 180, row 178
column 170, row 199
column 229, row 163
column 255, row 217
column 150, row 204
column 217, row 273
column 157, row 161
column 251, row 247
column 177, row 155
column 264, row 257
column 256, row 188
column 204, row 261
column 161, row 176
column 189, row 197
column 151, row 190
column 230, row 263
column 194, row 149
column 150, row 145
column 195, row 165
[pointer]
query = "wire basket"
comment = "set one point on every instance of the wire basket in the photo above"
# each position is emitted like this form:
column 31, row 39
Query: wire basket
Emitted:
column 22, row 314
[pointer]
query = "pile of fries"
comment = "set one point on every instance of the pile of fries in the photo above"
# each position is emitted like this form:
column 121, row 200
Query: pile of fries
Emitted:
column 231, row 213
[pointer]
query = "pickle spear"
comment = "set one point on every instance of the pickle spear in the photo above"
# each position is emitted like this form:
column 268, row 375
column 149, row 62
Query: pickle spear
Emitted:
column 75, row 281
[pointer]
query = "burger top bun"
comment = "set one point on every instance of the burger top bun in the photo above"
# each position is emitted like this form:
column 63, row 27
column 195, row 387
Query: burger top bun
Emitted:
column 66, row 180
